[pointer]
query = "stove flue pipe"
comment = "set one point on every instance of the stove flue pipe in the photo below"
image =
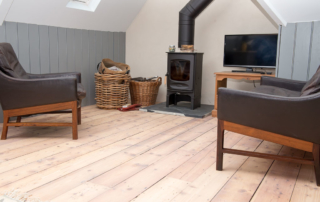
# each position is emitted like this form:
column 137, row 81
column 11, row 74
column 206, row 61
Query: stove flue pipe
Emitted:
column 187, row 19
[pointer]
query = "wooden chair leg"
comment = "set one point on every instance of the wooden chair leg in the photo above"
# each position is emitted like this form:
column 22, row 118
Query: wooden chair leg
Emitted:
column 18, row 120
column 79, row 115
column 75, row 121
column 220, row 141
column 5, row 127
column 316, row 157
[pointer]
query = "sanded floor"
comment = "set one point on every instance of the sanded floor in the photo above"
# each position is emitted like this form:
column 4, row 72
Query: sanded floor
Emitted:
column 139, row 156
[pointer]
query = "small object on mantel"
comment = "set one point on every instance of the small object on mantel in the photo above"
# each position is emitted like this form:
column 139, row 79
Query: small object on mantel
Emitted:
column 172, row 48
column 187, row 48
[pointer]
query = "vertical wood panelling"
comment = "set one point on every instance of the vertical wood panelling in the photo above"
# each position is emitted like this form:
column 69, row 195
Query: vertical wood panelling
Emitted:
column 302, row 51
column 116, row 39
column 53, row 49
column 315, row 49
column 105, row 48
column 34, row 41
column 99, row 51
column 3, row 32
column 78, row 54
column 287, row 51
column 70, row 50
column 78, row 50
column 62, row 45
column 122, row 47
column 44, row 49
column 12, row 36
column 299, row 50
column 98, row 55
column 92, row 65
column 110, row 45
column 24, row 48
column 85, row 65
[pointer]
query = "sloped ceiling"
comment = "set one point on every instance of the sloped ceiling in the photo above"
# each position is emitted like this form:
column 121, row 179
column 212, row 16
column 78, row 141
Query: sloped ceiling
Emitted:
column 291, row 11
column 111, row 15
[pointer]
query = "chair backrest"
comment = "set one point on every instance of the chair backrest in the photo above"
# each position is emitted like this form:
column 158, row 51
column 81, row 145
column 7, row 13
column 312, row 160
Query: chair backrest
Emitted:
column 9, row 63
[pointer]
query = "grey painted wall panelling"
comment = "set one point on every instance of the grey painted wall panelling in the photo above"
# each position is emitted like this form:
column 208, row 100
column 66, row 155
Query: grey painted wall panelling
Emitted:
column 287, row 51
column 85, row 65
column 34, row 49
column 122, row 47
column 62, row 45
column 92, row 65
column 116, row 39
column 53, row 49
column 24, row 48
column 77, row 50
column 302, row 51
column 105, row 48
column 44, row 49
column 110, row 45
column 315, row 49
column 99, row 48
column 3, row 32
column 70, row 50
column 12, row 36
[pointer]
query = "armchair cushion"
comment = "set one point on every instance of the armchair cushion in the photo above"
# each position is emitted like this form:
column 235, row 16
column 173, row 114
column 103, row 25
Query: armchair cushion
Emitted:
column 313, row 85
column 272, row 90
column 9, row 63
column 283, row 83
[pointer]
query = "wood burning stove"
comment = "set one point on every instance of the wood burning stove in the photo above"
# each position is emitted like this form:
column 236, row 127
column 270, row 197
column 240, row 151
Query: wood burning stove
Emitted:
column 184, row 78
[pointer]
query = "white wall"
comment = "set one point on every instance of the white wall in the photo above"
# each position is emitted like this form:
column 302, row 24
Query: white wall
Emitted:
column 292, row 11
column 156, row 27
column 111, row 15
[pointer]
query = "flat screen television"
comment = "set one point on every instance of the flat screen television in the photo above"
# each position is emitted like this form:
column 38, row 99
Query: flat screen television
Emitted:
column 251, row 51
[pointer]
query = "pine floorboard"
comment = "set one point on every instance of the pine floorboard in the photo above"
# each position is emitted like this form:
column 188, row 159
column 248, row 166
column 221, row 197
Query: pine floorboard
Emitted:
column 143, row 157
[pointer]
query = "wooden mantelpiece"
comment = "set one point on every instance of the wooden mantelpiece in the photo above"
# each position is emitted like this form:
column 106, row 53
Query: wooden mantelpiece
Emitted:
column 221, row 81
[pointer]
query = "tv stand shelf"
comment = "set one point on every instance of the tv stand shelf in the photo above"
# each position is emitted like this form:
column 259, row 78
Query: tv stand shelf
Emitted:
column 221, row 81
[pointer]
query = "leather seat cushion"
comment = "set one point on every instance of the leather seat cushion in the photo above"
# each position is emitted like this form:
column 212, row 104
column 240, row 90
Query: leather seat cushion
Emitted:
column 271, row 90
column 81, row 92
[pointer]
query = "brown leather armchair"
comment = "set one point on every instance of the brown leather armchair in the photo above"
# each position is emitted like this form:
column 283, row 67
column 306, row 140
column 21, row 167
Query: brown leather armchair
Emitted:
column 280, row 110
column 24, row 94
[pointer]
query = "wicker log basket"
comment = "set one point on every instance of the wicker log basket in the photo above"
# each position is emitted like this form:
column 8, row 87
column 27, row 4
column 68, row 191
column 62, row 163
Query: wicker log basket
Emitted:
column 145, row 93
column 112, row 90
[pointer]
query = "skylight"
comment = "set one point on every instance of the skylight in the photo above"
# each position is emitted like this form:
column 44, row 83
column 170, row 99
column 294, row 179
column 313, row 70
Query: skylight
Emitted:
column 86, row 5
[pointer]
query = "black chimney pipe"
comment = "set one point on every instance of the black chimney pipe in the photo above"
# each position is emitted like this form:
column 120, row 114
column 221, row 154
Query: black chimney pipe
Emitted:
column 187, row 19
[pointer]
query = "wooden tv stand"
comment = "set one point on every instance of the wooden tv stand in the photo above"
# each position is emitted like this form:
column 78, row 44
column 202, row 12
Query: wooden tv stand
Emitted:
column 221, row 81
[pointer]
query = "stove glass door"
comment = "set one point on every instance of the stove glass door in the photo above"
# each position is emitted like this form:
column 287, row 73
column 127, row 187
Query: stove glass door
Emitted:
column 180, row 70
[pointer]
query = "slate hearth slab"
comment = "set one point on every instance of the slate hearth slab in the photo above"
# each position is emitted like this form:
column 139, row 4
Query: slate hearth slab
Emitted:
column 182, row 109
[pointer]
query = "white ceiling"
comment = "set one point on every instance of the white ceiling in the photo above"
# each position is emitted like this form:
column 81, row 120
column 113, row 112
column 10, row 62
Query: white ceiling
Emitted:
column 291, row 11
column 111, row 15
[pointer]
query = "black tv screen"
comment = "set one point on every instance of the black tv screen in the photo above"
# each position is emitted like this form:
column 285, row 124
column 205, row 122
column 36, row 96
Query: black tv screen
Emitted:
column 257, row 50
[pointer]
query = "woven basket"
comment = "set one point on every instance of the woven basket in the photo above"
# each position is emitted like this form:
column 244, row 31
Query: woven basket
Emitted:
column 112, row 90
column 144, row 93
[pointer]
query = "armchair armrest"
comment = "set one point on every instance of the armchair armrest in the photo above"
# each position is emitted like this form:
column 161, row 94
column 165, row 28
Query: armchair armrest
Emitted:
column 283, row 83
column 21, row 93
column 290, row 116
column 76, row 75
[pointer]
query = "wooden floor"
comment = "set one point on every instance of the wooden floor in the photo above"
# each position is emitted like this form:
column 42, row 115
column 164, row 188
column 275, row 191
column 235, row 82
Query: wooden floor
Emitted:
column 139, row 156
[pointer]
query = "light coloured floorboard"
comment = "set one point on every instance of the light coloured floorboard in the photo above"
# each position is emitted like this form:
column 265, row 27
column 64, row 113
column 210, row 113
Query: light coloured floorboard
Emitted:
column 142, row 157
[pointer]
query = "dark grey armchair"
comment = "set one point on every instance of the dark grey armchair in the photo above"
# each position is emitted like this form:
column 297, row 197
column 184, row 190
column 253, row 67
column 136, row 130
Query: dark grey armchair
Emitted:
column 280, row 110
column 25, row 94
